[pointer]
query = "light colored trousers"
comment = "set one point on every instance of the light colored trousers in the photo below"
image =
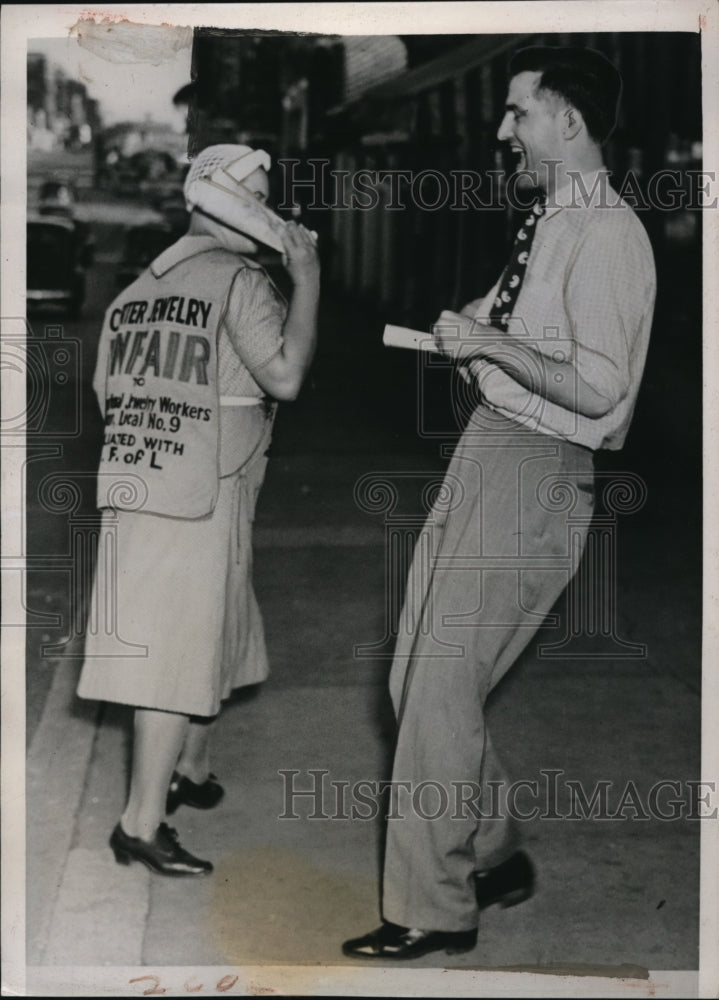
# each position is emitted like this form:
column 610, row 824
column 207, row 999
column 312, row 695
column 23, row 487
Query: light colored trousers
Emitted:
column 502, row 541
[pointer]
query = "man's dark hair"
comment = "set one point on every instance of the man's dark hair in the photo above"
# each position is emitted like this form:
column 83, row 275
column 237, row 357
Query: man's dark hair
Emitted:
column 583, row 77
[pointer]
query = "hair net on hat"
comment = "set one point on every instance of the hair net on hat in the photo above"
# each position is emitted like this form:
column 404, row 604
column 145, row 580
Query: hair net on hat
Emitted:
column 236, row 160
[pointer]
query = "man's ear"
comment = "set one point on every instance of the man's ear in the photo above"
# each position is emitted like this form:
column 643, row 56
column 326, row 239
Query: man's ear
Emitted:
column 572, row 122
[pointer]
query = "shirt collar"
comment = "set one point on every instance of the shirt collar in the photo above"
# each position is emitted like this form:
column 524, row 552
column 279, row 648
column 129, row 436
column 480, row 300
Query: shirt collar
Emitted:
column 186, row 247
column 584, row 191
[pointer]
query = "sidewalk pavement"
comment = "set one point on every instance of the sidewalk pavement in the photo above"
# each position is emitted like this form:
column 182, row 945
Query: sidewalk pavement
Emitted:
column 610, row 893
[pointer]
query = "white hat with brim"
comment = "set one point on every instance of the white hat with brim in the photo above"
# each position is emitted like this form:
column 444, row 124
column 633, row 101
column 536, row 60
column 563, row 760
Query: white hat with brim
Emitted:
column 237, row 161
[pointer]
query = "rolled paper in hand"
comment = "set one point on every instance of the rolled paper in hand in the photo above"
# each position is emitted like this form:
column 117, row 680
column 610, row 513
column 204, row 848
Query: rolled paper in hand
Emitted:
column 402, row 336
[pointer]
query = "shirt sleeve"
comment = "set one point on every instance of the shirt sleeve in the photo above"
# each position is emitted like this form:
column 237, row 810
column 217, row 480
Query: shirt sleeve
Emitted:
column 607, row 292
column 254, row 318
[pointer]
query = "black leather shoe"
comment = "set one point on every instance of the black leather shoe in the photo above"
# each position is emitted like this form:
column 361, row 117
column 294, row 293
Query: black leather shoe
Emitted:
column 508, row 884
column 163, row 854
column 393, row 941
column 182, row 791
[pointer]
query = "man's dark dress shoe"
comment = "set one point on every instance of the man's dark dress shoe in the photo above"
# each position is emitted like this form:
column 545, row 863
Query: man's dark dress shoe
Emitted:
column 509, row 883
column 393, row 941
column 163, row 854
column 182, row 791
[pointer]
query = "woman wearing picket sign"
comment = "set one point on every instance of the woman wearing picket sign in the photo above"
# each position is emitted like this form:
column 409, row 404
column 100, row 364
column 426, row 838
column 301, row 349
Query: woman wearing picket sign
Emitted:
column 191, row 358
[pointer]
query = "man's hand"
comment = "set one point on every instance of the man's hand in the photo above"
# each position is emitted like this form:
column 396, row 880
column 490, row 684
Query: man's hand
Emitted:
column 459, row 337
column 300, row 256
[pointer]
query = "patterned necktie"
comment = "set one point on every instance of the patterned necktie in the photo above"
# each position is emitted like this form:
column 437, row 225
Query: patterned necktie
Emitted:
column 514, row 272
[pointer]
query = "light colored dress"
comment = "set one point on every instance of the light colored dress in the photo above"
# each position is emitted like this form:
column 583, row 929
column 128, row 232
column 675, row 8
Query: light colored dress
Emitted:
column 174, row 623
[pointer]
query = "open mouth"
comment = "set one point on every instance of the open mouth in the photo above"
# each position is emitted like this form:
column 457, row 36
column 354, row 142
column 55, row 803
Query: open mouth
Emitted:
column 520, row 159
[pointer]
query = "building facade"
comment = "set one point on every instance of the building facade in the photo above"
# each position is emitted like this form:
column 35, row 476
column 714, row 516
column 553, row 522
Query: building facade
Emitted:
column 391, row 154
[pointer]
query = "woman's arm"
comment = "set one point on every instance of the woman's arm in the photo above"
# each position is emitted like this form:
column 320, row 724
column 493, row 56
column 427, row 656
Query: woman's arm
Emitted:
column 282, row 376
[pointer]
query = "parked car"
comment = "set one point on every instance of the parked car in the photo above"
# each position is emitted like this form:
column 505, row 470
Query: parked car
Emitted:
column 142, row 244
column 57, row 197
column 58, row 257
